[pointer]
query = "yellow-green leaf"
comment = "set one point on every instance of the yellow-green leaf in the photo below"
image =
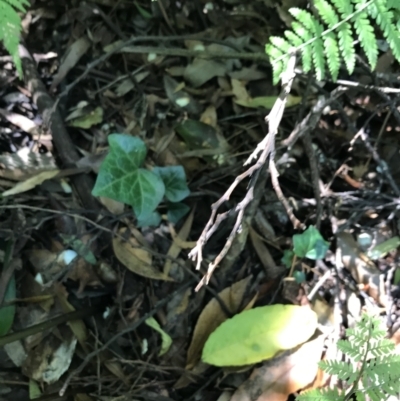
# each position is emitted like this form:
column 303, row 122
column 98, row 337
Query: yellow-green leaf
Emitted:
column 165, row 338
column 267, row 102
column 258, row 334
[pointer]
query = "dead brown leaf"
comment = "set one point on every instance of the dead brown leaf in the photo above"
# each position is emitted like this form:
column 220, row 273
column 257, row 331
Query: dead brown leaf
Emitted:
column 137, row 259
column 74, row 53
column 31, row 183
column 284, row 375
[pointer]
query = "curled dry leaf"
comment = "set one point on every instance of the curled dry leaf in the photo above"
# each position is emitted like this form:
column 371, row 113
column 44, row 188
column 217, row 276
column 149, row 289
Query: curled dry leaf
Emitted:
column 284, row 375
column 137, row 259
column 74, row 53
column 176, row 247
column 213, row 315
column 31, row 182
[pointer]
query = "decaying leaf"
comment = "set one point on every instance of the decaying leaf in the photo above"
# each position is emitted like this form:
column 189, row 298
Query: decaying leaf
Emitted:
column 175, row 249
column 74, row 53
column 50, row 359
column 136, row 259
column 283, row 375
column 213, row 315
column 31, row 183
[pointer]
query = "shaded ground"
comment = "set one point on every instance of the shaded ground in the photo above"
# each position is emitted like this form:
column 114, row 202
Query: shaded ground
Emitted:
column 342, row 175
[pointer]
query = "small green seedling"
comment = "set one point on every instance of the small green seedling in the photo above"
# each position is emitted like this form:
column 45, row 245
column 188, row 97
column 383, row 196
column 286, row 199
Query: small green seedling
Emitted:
column 310, row 244
column 122, row 178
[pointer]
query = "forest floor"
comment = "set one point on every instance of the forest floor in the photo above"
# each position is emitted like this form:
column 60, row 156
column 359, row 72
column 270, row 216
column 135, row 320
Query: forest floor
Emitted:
column 133, row 310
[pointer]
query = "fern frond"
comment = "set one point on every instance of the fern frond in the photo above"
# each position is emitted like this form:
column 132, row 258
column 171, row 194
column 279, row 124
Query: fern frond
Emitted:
column 385, row 20
column 321, row 395
column 10, row 27
column 329, row 34
column 367, row 37
column 376, row 375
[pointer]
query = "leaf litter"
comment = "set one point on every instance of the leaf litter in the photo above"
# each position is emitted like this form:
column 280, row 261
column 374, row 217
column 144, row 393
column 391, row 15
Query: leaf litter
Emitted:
column 195, row 120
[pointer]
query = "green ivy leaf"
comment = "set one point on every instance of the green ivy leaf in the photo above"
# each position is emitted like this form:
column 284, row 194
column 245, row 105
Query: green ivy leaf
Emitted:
column 121, row 178
column 152, row 219
column 287, row 258
column 310, row 244
column 300, row 277
column 174, row 179
column 176, row 211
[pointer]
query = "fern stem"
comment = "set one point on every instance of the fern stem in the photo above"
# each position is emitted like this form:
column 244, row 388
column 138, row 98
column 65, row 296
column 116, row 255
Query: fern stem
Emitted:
column 364, row 363
column 329, row 30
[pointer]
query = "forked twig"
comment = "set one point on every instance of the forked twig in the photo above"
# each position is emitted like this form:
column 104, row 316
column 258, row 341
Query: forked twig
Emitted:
column 265, row 149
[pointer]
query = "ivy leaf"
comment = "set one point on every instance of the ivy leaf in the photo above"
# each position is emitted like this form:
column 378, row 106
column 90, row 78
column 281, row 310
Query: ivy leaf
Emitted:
column 175, row 211
column 300, row 277
column 287, row 258
column 152, row 219
column 121, row 178
column 174, row 179
column 310, row 244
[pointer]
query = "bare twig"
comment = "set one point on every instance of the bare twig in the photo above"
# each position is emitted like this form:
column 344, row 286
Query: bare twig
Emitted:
column 312, row 118
column 267, row 149
column 307, row 143
column 277, row 188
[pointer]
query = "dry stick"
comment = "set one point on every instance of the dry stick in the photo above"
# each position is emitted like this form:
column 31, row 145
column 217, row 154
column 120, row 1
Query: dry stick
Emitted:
column 297, row 224
column 66, row 150
column 311, row 120
column 307, row 143
column 48, row 324
column 127, row 330
column 267, row 148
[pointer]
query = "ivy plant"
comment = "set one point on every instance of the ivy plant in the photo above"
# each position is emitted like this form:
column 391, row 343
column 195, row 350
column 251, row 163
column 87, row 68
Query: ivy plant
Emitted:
column 310, row 244
column 123, row 178
column 371, row 368
column 325, row 35
column 10, row 27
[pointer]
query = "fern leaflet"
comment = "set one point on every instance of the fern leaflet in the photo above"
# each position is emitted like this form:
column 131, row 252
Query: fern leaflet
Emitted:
column 373, row 369
column 10, row 27
column 326, row 37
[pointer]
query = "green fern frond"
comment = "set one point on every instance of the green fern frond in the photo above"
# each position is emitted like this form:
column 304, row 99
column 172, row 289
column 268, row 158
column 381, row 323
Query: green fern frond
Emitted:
column 10, row 27
column 373, row 369
column 326, row 37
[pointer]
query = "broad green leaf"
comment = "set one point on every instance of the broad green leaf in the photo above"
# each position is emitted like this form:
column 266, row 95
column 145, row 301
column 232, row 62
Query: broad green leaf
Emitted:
column 310, row 244
column 258, row 334
column 88, row 120
column 121, row 179
column 166, row 340
column 152, row 219
column 397, row 277
column 174, row 179
column 198, row 135
column 176, row 211
column 7, row 313
column 383, row 248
